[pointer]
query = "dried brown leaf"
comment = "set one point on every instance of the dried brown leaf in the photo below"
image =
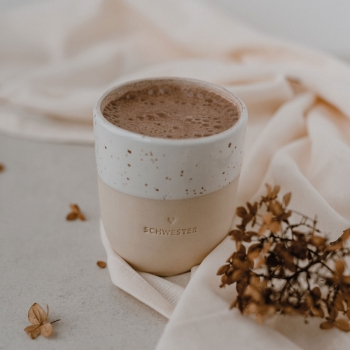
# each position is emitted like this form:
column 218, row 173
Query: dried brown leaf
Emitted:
column 81, row 216
column 236, row 235
column 275, row 226
column 224, row 279
column 241, row 212
column 33, row 331
column 334, row 246
column 75, row 213
column 101, row 264
column 275, row 191
column 345, row 235
column 72, row 216
column 267, row 218
column 222, row 270
column 254, row 250
column 46, row 329
column 276, row 208
column 269, row 188
column 316, row 292
column 339, row 267
column 338, row 303
column 318, row 241
column 333, row 313
column 343, row 325
column 326, row 325
column 236, row 276
column 348, row 314
column 286, row 198
column 75, row 208
column 317, row 311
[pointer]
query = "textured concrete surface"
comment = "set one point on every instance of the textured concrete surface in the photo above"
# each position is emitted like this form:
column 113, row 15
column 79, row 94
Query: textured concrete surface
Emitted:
column 45, row 259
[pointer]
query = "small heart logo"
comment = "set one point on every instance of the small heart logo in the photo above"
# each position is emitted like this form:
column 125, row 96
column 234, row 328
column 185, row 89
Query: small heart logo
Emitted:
column 171, row 220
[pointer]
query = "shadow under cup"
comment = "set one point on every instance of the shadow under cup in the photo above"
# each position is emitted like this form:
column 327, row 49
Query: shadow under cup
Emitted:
column 159, row 225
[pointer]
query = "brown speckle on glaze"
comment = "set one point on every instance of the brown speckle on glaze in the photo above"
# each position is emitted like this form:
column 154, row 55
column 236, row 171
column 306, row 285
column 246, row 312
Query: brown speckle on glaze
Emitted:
column 129, row 151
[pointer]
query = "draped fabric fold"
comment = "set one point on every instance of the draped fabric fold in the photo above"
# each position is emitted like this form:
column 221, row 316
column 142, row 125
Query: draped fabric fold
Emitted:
column 58, row 57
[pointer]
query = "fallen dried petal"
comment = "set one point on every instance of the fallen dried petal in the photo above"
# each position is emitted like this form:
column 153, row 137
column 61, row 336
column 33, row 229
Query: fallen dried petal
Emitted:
column 72, row 216
column 75, row 208
column 326, row 325
column 46, row 329
column 37, row 315
column 81, row 216
column 33, row 331
column 2, row 167
column 101, row 264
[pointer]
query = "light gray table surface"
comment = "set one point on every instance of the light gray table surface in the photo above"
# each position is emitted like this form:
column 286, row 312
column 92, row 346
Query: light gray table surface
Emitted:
column 45, row 259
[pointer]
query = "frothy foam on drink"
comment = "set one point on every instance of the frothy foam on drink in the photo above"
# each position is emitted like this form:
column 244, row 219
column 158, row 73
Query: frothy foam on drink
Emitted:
column 172, row 111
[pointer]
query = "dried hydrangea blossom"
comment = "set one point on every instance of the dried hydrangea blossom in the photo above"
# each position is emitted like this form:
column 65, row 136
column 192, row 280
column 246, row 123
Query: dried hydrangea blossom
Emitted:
column 287, row 267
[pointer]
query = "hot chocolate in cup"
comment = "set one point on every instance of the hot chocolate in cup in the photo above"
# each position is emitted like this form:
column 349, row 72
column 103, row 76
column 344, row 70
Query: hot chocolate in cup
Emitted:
column 169, row 153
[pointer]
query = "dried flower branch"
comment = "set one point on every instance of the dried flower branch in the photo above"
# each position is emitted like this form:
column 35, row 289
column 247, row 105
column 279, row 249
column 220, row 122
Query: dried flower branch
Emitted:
column 39, row 320
column 287, row 268
column 75, row 213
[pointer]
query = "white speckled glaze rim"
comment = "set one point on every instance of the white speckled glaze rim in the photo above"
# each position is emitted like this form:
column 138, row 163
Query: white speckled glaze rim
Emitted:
column 201, row 161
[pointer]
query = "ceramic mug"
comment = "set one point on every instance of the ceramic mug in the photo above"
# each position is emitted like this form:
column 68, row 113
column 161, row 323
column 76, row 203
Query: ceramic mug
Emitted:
column 166, row 203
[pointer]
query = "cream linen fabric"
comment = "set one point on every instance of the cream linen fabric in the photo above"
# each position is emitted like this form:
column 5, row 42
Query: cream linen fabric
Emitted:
column 57, row 58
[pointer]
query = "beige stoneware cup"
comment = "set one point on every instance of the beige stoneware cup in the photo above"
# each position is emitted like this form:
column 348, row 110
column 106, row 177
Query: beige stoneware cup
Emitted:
column 166, row 203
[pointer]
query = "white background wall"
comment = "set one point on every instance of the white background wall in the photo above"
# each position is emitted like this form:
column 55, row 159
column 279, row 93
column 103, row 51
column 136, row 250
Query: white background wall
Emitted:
column 322, row 24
